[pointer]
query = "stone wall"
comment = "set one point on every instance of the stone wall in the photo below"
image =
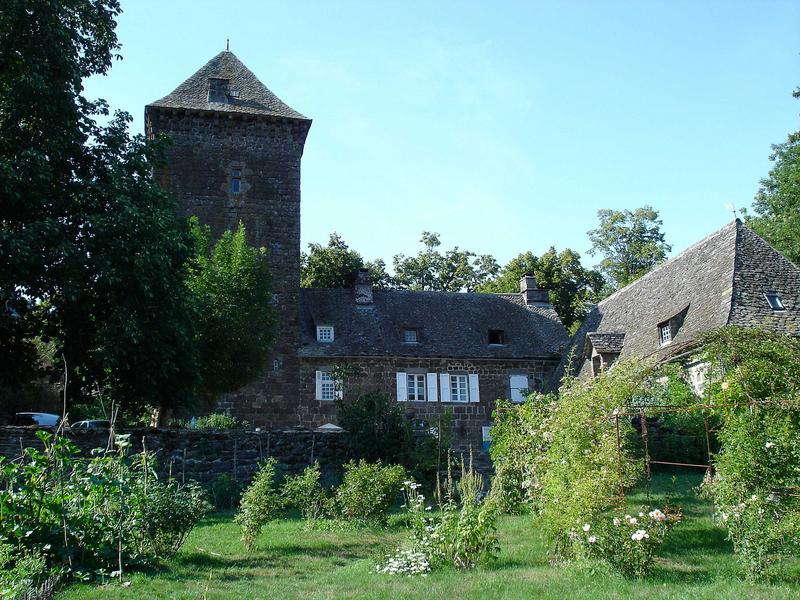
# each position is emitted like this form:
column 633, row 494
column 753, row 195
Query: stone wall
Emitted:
column 205, row 455
column 265, row 153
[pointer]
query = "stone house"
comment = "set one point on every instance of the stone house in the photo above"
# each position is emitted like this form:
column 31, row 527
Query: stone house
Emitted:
column 732, row 277
column 235, row 156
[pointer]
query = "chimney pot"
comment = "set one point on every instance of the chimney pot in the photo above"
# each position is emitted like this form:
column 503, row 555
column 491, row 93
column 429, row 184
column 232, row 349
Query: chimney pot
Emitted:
column 532, row 294
column 363, row 287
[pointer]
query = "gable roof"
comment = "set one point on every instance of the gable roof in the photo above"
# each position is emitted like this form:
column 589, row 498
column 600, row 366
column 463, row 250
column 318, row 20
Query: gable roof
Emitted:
column 720, row 280
column 453, row 325
column 254, row 97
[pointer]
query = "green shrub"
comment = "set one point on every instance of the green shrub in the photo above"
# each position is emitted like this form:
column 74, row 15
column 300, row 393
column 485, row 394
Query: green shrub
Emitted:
column 378, row 429
column 214, row 421
column 305, row 493
column 225, row 492
column 260, row 503
column 20, row 576
column 627, row 543
column 755, row 382
column 368, row 491
column 105, row 513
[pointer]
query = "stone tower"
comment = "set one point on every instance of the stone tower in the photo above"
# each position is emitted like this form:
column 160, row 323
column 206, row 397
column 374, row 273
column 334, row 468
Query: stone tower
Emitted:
column 235, row 156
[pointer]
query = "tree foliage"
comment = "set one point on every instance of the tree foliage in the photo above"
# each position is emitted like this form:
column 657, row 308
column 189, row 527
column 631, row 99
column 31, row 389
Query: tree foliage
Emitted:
column 573, row 288
column 93, row 255
column 631, row 243
column 777, row 202
column 230, row 284
column 453, row 270
column 336, row 265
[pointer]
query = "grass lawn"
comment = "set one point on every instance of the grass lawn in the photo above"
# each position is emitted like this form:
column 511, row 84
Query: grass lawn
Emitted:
column 292, row 562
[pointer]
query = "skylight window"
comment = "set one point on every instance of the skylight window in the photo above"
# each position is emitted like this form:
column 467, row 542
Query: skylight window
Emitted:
column 325, row 333
column 496, row 337
column 410, row 336
column 774, row 301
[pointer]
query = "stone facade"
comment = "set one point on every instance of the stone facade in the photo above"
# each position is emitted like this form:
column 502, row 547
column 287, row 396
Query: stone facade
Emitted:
column 205, row 455
column 380, row 374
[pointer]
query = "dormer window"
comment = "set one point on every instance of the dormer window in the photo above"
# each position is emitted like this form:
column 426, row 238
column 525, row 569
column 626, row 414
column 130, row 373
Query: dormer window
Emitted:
column 410, row 336
column 325, row 333
column 218, row 90
column 236, row 181
column 664, row 333
column 496, row 337
column 774, row 301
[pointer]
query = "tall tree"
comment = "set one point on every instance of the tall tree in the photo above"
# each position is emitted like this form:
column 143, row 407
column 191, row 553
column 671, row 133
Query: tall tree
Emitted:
column 573, row 288
column 336, row 265
column 777, row 202
column 235, row 318
column 631, row 243
column 454, row 270
column 92, row 255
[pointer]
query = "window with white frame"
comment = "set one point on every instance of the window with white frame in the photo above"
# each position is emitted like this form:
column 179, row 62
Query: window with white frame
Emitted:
column 664, row 333
column 459, row 388
column 519, row 387
column 415, row 384
column 774, row 301
column 410, row 336
column 326, row 386
column 324, row 333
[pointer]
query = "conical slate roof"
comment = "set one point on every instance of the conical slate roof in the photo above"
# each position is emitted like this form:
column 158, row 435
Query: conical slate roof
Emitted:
column 720, row 280
column 247, row 94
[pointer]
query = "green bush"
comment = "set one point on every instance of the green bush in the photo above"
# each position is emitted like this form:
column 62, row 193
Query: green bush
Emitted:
column 225, row 492
column 368, row 491
column 260, row 503
column 20, row 575
column 755, row 382
column 214, row 421
column 305, row 493
column 105, row 513
column 378, row 429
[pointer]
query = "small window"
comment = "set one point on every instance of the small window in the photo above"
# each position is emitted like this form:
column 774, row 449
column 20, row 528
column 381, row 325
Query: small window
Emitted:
column 774, row 301
column 416, row 387
column 496, row 337
column 459, row 388
column 410, row 336
column 665, row 333
column 236, row 181
column 324, row 333
column 519, row 388
column 327, row 387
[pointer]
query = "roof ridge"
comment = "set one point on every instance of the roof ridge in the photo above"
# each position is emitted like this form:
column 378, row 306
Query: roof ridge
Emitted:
column 675, row 258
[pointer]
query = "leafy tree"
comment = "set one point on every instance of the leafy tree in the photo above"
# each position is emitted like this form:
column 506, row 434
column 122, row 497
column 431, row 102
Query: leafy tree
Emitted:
column 454, row 270
column 92, row 255
column 631, row 243
column 572, row 287
column 230, row 283
column 777, row 203
column 336, row 265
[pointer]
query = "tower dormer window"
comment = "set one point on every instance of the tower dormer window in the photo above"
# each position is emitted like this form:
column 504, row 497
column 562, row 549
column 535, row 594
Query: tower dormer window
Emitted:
column 236, row 181
column 664, row 333
column 774, row 301
column 218, row 90
column 325, row 333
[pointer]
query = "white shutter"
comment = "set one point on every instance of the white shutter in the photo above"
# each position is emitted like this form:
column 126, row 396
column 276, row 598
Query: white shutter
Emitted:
column 519, row 385
column 474, row 392
column 432, row 387
column 444, row 384
column 402, row 387
column 318, row 392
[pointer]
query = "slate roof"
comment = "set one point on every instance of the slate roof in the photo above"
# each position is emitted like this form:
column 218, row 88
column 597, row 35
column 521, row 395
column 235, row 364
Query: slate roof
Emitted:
column 452, row 325
column 720, row 280
column 607, row 342
column 254, row 97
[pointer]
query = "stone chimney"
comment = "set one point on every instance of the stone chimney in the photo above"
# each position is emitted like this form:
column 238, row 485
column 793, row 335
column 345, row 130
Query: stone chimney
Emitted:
column 363, row 287
column 531, row 293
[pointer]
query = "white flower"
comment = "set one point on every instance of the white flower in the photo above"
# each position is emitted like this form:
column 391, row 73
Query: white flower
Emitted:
column 639, row 535
column 587, row 527
column 631, row 520
column 724, row 516
column 753, row 497
column 768, row 445
column 592, row 539
column 616, row 522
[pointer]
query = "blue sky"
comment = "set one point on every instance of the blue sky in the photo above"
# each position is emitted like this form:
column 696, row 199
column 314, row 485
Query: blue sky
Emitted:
column 504, row 126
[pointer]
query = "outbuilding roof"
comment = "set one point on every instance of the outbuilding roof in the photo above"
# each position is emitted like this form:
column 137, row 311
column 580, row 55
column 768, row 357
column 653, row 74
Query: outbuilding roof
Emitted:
column 449, row 325
column 248, row 95
column 718, row 281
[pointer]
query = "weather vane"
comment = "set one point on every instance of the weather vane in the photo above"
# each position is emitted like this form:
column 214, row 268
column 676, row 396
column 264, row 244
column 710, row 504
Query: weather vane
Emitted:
column 729, row 206
column 228, row 44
